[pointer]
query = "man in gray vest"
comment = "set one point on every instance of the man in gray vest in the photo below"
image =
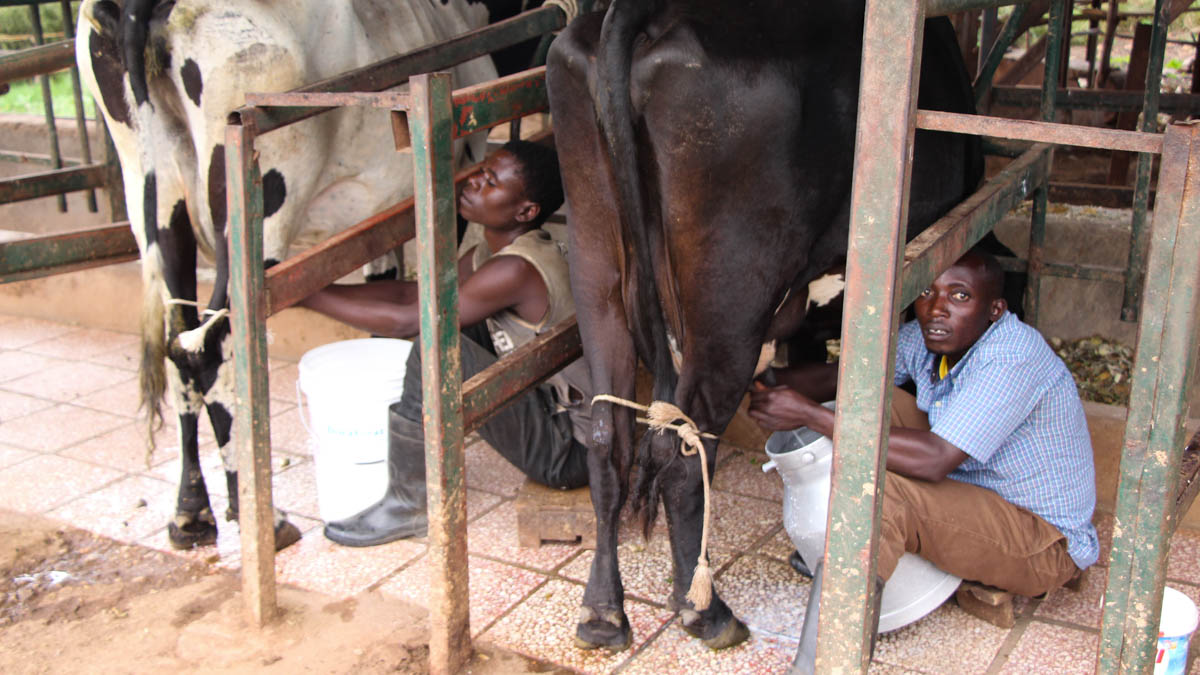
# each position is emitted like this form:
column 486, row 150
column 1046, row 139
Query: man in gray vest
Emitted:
column 513, row 284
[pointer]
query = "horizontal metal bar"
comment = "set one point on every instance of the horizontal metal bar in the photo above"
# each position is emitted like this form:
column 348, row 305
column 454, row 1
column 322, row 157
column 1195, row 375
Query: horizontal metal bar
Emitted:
column 1027, row 96
column 526, row 367
column 946, row 240
column 1042, row 132
column 487, row 105
column 26, row 63
column 944, row 7
column 48, row 183
column 54, row 254
column 18, row 157
column 391, row 72
column 1110, row 196
column 1086, row 272
column 393, row 100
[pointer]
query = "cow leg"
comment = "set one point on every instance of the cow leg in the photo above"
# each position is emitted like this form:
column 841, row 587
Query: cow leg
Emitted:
column 193, row 524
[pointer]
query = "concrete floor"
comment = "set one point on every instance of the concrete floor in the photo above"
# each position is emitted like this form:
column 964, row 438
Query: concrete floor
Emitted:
column 68, row 399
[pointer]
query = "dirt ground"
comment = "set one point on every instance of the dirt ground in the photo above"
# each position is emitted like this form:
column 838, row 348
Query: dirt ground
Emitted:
column 72, row 601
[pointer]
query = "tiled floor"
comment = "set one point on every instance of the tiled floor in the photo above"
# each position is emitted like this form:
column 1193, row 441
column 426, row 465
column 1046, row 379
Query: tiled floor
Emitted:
column 68, row 399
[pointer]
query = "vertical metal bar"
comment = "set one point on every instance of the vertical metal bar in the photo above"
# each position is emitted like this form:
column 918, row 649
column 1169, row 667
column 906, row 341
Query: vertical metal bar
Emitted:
column 431, row 125
column 987, row 70
column 35, row 19
column 1138, row 234
column 1154, row 438
column 1093, row 28
column 1037, row 221
column 987, row 34
column 85, row 148
column 892, row 37
column 252, row 422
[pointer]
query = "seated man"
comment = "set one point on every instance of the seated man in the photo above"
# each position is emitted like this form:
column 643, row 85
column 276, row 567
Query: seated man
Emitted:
column 997, row 484
column 513, row 284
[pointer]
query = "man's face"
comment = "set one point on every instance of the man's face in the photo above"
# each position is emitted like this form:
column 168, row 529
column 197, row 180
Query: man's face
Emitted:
column 956, row 309
column 494, row 196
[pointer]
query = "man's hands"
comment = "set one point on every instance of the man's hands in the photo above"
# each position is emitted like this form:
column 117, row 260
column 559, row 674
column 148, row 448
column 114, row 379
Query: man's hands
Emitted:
column 782, row 408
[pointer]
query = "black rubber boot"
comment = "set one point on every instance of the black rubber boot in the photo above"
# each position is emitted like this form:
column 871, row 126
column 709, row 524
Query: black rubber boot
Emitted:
column 403, row 511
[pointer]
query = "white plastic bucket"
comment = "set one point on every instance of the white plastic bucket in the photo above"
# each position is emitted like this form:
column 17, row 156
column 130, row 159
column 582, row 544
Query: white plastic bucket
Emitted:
column 1175, row 626
column 344, row 390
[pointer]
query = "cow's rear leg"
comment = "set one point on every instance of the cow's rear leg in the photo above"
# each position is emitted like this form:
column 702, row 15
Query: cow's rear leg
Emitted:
column 683, row 501
column 602, row 620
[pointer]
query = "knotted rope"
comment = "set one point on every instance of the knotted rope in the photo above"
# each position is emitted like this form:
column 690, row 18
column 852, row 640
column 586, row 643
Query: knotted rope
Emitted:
column 193, row 303
column 569, row 7
column 661, row 416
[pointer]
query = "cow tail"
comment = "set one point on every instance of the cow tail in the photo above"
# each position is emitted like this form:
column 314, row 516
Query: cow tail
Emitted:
column 615, row 115
column 134, row 37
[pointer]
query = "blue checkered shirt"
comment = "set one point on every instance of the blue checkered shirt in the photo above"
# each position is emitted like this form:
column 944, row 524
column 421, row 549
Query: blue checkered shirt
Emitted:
column 1011, row 405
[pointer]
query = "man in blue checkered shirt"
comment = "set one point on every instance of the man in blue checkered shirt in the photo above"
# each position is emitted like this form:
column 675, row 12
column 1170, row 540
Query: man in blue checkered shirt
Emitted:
column 997, row 485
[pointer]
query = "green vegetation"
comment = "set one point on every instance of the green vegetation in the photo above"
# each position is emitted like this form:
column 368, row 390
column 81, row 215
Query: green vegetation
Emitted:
column 26, row 97
column 17, row 26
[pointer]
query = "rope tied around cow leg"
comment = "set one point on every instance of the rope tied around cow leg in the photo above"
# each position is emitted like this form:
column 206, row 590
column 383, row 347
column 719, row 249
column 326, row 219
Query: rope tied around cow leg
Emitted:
column 661, row 416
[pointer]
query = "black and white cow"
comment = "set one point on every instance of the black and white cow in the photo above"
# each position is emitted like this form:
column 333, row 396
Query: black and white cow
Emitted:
column 707, row 149
column 166, row 74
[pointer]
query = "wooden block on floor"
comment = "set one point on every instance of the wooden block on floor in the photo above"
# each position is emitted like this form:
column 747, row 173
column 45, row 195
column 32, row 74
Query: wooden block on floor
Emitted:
column 986, row 602
column 547, row 514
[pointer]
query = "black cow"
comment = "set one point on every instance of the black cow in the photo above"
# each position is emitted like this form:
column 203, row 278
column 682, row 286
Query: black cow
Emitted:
column 707, row 150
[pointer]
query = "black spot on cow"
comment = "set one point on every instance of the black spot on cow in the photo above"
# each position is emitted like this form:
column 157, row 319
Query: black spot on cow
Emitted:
column 274, row 192
column 150, row 206
column 221, row 420
column 192, row 82
column 108, row 71
column 178, row 246
column 216, row 188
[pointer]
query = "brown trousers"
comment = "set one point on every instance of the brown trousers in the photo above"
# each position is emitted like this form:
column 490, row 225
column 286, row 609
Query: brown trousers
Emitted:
column 968, row 531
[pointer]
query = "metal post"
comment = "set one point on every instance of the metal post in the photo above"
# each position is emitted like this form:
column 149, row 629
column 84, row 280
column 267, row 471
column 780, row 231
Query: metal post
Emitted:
column 85, row 148
column 431, row 126
column 1154, row 435
column 879, row 208
column 1037, row 221
column 251, row 415
column 35, row 18
column 1138, row 234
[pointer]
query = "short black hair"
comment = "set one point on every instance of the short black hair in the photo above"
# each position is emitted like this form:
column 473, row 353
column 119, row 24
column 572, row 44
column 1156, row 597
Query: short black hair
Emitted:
column 539, row 172
column 993, row 274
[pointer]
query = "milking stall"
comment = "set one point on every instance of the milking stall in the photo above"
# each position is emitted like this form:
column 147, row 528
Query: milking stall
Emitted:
column 1107, row 245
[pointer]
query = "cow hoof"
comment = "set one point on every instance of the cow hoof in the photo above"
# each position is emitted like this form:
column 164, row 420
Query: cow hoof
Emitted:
column 191, row 535
column 286, row 534
column 611, row 632
column 734, row 632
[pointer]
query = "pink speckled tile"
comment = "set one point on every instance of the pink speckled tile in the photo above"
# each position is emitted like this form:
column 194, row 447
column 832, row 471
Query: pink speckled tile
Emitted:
column 14, row 405
column 1183, row 564
column 740, row 522
column 543, row 627
column 289, row 434
column 59, row 427
column 10, row 455
column 123, row 398
column 487, row 470
column 46, row 481
column 876, row 668
column 645, row 571
column 294, row 488
column 674, row 651
column 741, row 472
column 320, row 565
column 127, row 510
column 22, row 332
column 69, row 381
column 766, row 594
column 494, row 588
column 495, row 536
column 125, row 448
column 84, row 343
column 1049, row 648
column 947, row 640
column 129, row 358
column 17, row 364
column 1082, row 607
column 283, row 385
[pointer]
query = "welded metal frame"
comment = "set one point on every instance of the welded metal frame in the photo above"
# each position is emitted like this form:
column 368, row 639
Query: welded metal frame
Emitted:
column 875, row 293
